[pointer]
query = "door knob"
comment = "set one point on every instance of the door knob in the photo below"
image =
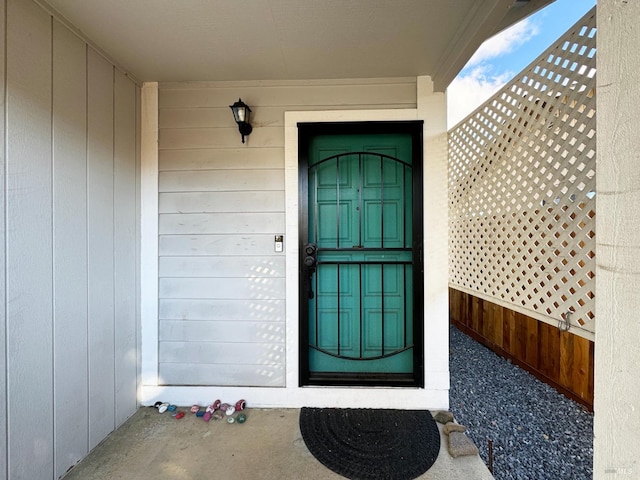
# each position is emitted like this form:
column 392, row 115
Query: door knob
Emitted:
column 310, row 255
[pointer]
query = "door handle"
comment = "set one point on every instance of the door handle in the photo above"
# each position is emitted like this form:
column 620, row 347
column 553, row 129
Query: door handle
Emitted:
column 310, row 293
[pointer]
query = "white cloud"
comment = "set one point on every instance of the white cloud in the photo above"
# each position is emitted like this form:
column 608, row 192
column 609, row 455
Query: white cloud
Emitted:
column 481, row 76
column 505, row 42
column 469, row 91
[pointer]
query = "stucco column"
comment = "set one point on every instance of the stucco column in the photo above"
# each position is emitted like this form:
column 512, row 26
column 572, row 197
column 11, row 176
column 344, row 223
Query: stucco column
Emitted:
column 432, row 108
column 617, row 355
column 149, row 233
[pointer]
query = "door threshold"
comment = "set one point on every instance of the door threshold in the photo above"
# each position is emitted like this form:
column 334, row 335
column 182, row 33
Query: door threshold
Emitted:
column 361, row 380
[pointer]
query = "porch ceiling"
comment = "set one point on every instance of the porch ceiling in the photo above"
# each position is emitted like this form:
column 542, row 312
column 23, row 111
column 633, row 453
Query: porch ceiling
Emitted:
column 182, row 40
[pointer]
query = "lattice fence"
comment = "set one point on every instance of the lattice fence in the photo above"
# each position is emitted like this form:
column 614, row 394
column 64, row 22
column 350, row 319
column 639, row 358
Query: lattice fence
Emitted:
column 522, row 187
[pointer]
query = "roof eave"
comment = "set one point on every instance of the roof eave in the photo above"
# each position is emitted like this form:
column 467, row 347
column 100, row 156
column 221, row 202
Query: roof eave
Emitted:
column 481, row 23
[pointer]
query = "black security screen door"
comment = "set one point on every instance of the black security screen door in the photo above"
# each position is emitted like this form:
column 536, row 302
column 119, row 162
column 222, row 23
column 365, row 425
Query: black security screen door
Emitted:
column 360, row 263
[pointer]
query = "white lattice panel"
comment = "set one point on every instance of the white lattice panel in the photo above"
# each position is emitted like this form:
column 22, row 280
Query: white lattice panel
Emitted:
column 522, row 186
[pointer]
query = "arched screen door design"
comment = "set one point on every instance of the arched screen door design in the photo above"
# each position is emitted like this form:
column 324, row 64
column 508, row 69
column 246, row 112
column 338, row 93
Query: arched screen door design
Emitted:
column 360, row 259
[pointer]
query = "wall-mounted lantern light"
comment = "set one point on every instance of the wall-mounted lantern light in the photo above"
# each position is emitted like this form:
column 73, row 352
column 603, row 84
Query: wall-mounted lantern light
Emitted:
column 241, row 114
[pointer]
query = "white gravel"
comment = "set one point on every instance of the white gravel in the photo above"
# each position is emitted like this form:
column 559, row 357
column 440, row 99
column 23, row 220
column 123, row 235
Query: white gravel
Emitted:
column 537, row 432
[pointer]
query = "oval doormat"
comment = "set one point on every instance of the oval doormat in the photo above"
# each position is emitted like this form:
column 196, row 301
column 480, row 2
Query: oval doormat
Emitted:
column 368, row 444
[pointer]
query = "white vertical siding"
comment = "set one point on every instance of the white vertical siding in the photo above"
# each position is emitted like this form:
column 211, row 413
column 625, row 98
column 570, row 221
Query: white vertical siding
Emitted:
column 29, row 240
column 221, row 285
column 138, row 242
column 100, row 240
column 70, row 243
column 69, row 200
column 125, row 224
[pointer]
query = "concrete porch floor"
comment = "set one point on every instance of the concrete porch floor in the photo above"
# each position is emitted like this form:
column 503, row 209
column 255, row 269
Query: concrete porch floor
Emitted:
column 268, row 446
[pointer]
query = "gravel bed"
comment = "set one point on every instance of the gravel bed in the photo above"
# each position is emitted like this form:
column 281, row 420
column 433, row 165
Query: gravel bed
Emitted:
column 537, row 432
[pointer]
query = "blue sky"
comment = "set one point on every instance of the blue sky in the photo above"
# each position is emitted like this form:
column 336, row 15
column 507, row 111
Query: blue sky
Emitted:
column 501, row 57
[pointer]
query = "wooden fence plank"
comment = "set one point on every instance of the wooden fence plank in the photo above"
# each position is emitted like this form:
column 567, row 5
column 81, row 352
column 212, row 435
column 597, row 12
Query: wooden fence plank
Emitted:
column 531, row 354
column 498, row 321
column 566, row 358
column 591, row 385
column 508, row 333
column 549, row 360
column 520, row 337
column 486, row 327
column 580, row 377
column 476, row 309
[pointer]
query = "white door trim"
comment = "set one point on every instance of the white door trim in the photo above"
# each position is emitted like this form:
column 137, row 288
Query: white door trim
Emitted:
column 149, row 233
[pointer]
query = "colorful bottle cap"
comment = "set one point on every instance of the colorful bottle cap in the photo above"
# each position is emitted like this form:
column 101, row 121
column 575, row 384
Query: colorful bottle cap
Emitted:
column 207, row 416
column 230, row 411
column 163, row 407
column 241, row 405
column 224, row 406
column 241, row 418
column 179, row 415
column 231, row 420
column 172, row 408
column 200, row 413
column 195, row 408
column 216, row 404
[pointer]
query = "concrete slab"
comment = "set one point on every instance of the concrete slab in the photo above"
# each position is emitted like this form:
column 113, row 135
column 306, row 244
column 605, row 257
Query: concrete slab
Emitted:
column 268, row 446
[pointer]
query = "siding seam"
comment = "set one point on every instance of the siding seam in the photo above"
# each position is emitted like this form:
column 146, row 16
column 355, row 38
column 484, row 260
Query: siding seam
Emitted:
column 87, row 213
column 54, row 447
column 114, row 239
column 4, row 232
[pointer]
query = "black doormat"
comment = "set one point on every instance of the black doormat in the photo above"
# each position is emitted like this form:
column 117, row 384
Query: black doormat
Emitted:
column 366, row 444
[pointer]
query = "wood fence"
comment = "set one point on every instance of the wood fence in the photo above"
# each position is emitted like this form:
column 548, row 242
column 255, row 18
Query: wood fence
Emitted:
column 559, row 358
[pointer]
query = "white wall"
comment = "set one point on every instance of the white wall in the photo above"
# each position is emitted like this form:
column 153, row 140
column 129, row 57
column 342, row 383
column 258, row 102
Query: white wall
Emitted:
column 68, row 243
column 233, row 333
column 221, row 285
column 617, row 383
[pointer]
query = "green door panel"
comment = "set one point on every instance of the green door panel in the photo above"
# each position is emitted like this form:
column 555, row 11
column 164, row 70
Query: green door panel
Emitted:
column 360, row 210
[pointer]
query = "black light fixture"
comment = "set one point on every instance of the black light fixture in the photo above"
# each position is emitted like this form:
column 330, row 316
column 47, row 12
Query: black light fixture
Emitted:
column 241, row 114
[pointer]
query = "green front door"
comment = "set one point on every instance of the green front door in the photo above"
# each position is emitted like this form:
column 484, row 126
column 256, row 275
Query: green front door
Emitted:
column 361, row 258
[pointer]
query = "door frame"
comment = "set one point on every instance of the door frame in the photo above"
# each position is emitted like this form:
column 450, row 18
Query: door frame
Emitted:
column 307, row 130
